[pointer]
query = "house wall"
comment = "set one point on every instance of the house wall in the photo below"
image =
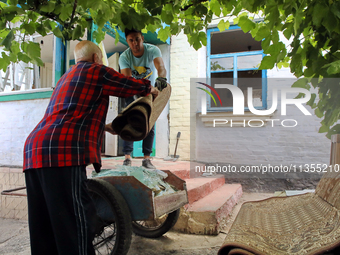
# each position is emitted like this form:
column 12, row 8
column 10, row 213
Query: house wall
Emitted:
column 238, row 145
column 185, row 63
column 162, row 123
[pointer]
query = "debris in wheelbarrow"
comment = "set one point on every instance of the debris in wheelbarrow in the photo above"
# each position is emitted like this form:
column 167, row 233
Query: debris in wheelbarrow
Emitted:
column 154, row 179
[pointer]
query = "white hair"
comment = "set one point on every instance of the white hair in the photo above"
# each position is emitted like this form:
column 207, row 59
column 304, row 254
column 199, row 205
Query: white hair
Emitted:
column 85, row 49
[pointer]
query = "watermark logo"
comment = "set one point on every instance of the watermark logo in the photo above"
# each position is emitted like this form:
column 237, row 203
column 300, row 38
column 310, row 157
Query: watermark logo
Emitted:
column 208, row 92
column 238, row 102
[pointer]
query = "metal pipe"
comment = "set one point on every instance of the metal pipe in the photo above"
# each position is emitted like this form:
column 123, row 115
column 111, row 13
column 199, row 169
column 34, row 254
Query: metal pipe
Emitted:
column 9, row 192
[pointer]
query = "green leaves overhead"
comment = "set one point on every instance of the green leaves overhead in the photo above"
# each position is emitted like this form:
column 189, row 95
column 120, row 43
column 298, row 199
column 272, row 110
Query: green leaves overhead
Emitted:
column 304, row 34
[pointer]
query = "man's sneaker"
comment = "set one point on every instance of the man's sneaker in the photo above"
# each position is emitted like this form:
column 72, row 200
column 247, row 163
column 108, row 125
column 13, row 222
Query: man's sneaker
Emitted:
column 147, row 164
column 127, row 162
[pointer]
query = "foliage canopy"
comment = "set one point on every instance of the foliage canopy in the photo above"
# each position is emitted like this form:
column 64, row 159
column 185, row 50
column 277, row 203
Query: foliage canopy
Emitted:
column 312, row 26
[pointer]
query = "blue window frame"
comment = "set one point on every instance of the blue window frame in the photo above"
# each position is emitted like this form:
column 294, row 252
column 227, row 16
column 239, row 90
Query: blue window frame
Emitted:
column 235, row 56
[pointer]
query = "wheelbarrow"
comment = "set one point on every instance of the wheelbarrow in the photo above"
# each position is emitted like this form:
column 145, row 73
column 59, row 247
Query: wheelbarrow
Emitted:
column 122, row 200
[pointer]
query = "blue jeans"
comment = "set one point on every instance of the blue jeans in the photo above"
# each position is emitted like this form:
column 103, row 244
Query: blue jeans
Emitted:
column 147, row 142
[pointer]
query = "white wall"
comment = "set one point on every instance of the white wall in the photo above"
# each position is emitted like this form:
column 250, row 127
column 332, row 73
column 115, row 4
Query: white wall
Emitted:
column 17, row 120
column 266, row 145
column 238, row 145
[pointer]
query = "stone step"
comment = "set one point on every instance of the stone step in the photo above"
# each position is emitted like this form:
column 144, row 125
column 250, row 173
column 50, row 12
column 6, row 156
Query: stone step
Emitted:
column 206, row 216
column 200, row 187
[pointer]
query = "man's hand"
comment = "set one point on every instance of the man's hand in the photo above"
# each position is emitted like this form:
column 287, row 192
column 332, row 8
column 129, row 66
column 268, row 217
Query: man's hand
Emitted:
column 161, row 83
column 108, row 128
column 154, row 91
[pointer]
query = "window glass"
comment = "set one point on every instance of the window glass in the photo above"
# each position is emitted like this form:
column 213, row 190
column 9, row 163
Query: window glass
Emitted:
column 249, row 62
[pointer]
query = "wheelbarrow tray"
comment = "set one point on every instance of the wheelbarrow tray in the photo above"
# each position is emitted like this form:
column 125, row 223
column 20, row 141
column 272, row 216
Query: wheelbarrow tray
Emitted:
column 142, row 203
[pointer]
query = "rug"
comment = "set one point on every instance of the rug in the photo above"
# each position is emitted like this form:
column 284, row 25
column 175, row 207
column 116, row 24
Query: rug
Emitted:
column 136, row 120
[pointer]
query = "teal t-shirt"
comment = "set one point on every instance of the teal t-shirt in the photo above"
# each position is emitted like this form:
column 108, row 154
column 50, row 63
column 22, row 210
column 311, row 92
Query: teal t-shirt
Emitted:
column 141, row 67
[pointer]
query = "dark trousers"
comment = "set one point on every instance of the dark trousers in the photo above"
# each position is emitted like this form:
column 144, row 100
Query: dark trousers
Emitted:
column 60, row 211
column 147, row 142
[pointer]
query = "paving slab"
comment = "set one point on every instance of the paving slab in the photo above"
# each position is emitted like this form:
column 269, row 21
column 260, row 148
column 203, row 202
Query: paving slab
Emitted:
column 14, row 237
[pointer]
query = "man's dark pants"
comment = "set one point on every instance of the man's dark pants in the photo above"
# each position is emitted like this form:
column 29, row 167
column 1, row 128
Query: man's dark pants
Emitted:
column 147, row 142
column 60, row 211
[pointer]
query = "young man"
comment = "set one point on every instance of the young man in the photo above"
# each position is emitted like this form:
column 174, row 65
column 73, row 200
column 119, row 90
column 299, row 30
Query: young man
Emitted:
column 137, row 61
column 65, row 141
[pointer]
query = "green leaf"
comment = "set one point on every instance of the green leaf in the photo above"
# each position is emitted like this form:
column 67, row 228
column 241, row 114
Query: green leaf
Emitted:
column 156, row 11
column 77, row 32
column 320, row 10
column 334, row 130
column 267, row 62
column 41, row 29
column 17, row 19
column 223, row 25
column 265, row 43
column 175, row 28
column 11, row 9
column 246, row 24
column 12, row 2
column 318, row 113
column 288, row 32
column 99, row 36
column 301, row 83
column 312, row 100
column 296, row 65
column 263, row 32
column 330, row 22
column 299, row 15
column 15, row 49
column 167, row 17
column 57, row 32
column 66, row 12
column 323, row 129
column 29, row 27
column 48, row 7
column 274, row 49
column 7, row 42
column 200, row 10
column 215, row 7
column 33, row 50
column 333, row 68
column 37, row 61
column 187, row 29
column 164, row 33
column 203, row 38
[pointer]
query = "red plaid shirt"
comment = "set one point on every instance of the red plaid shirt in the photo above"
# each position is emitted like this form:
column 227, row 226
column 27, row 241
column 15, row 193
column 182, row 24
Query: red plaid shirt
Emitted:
column 71, row 131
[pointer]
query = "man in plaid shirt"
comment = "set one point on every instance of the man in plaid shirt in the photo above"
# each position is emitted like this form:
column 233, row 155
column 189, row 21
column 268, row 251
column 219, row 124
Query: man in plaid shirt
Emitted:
column 65, row 141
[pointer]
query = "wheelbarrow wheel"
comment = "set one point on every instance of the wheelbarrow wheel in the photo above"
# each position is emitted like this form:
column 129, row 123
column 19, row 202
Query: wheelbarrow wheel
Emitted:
column 112, row 228
column 155, row 228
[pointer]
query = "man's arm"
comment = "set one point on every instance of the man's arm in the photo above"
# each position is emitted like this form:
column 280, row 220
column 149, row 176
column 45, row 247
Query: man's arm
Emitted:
column 159, row 64
column 126, row 72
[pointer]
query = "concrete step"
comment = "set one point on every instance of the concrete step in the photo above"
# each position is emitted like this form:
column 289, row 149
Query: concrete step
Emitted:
column 200, row 187
column 206, row 216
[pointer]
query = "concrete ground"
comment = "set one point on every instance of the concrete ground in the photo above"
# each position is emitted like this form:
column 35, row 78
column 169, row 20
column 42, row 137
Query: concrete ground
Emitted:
column 14, row 237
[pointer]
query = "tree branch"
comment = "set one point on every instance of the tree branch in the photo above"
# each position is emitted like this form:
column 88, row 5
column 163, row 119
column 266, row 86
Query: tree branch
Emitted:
column 73, row 12
column 193, row 4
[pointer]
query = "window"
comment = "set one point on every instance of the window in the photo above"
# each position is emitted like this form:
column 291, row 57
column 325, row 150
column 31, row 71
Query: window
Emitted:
column 22, row 76
column 235, row 56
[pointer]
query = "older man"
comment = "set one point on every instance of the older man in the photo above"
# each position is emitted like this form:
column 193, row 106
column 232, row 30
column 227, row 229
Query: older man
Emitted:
column 65, row 141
